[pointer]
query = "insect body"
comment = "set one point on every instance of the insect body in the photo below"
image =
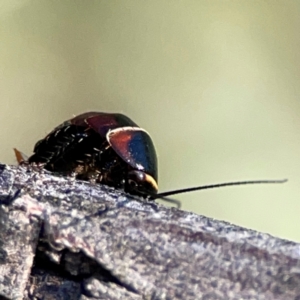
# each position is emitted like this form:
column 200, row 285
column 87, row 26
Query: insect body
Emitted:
column 103, row 147
column 107, row 148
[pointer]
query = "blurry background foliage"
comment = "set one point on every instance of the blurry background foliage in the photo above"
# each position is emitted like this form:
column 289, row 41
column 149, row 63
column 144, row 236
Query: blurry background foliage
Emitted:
column 216, row 83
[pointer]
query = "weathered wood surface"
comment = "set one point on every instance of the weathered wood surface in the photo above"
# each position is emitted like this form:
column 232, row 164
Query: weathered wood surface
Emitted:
column 65, row 239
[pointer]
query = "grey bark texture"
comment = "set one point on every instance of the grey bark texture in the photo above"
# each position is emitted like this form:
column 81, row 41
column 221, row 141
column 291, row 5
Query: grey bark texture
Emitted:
column 66, row 239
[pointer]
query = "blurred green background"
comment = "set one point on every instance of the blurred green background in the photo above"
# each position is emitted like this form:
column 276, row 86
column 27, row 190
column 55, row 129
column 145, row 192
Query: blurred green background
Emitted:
column 216, row 83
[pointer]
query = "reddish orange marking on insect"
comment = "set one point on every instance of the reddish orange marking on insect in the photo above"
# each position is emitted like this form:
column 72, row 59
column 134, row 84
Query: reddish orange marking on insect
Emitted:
column 21, row 157
column 121, row 139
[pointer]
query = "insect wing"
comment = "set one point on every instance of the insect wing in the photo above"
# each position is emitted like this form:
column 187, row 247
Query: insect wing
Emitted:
column 103, row 122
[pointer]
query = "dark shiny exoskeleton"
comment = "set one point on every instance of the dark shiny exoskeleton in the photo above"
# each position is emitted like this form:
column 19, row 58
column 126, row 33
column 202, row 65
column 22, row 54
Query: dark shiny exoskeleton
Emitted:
column 110, row 149
column 106, row 148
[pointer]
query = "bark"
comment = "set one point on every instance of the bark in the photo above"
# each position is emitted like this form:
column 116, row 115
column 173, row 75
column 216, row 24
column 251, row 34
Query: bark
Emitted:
column 66, row 239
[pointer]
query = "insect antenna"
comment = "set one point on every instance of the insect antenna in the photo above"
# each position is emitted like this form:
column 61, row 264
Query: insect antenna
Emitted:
column 211, row 186
column 166, row 199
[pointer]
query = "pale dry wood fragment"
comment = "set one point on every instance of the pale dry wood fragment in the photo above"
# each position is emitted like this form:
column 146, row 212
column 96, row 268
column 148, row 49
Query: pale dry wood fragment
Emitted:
column 93, row 242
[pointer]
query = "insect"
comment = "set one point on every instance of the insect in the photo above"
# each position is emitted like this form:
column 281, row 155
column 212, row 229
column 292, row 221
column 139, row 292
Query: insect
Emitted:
column 107, row 148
